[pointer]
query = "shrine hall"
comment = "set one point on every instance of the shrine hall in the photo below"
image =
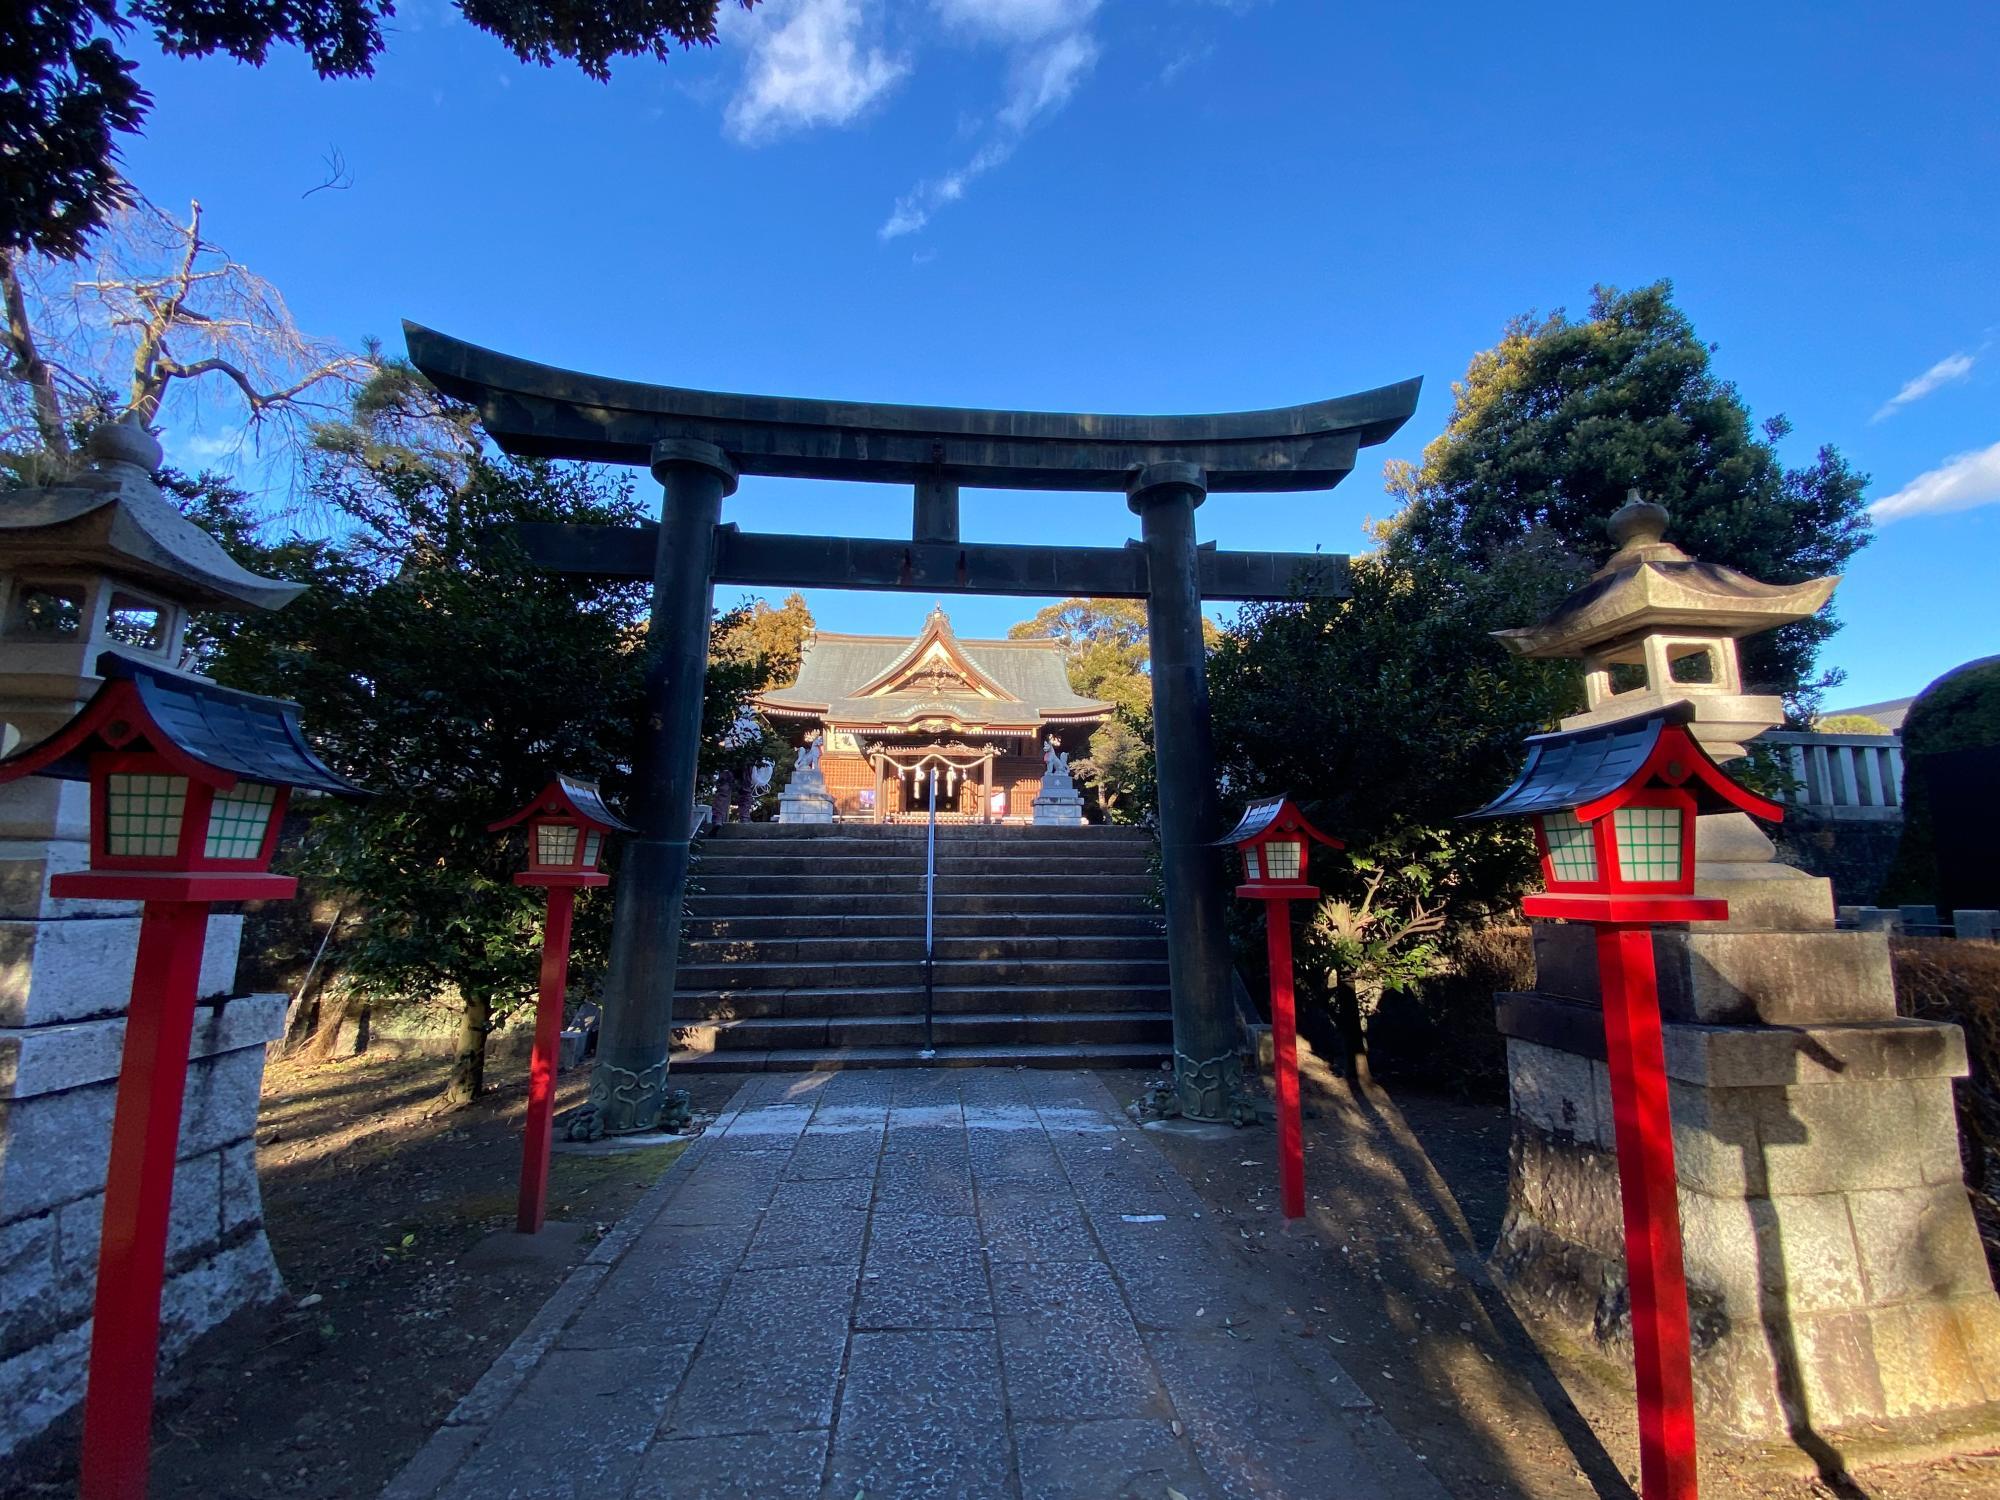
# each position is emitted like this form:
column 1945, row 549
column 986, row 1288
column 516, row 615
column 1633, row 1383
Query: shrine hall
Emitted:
column 889, row 709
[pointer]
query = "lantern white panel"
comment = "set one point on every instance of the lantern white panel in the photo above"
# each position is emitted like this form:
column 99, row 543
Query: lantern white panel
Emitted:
column 1572, row 853
column 238, row 820
column 1649, row 843
column 555, row 843
column 143, row 814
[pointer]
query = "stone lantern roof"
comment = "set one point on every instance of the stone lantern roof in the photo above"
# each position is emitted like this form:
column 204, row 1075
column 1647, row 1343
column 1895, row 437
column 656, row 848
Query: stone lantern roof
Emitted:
column 113, row 519
column 1650, row 584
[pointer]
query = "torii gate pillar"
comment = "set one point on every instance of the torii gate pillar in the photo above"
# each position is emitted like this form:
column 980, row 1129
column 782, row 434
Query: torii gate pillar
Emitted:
column 1207, row 1068
column 629, row 1085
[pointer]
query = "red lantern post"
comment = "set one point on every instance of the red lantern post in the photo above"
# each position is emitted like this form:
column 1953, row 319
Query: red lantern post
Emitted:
column 188, row 787
column 1272, row 837
column 567, row 822
column 1614, row 808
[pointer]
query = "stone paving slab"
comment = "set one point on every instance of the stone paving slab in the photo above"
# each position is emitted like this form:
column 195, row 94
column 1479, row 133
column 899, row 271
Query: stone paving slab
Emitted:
column 957, row 1283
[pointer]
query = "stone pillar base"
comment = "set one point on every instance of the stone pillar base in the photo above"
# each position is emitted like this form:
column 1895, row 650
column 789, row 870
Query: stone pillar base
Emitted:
column 1835, row 1273
column 807, row 808
column 58, row 1082
column 1058, row 812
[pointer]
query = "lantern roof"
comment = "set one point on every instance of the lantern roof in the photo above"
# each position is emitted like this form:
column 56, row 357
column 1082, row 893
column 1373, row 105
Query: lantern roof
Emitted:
column 114, row 519
column 209, row 733
column 1649, row 583
column 1591, row 771
column 573, row 795
column 1279, row 814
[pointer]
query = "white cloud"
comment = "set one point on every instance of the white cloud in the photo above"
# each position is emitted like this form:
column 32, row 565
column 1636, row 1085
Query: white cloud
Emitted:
column 1017, row 20
column 1960, row 483
column 1041, row 81
column 1952, row 367
column 1051, row 51
column 808, row 67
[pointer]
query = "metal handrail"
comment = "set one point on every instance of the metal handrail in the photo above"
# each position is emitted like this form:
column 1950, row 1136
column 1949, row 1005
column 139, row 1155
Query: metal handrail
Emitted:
column 930, row 917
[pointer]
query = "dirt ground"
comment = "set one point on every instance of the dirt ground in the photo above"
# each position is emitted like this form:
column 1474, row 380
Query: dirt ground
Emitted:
column 373, row 1194
column 1405, row 1194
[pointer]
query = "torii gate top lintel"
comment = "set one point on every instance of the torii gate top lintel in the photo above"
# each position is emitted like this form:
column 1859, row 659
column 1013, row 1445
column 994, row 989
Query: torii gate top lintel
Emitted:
column 537, row 410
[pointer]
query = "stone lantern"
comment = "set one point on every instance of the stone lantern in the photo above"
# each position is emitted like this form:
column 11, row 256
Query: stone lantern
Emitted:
column 1834, row 1270
column 104, row 564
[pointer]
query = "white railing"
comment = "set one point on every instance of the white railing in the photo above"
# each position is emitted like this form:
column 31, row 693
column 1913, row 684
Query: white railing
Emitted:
column 1851, row 777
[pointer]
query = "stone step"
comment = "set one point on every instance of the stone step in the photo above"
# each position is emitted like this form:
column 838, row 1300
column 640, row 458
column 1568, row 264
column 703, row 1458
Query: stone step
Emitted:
column 904, row 1030
column 724, row 880
column 815, row 949
column 909, row 970
column 718, row 1005
column 843, row 867
column 1019, row 1055
column 782, row 903
column 989, row 926
column 1097, row 833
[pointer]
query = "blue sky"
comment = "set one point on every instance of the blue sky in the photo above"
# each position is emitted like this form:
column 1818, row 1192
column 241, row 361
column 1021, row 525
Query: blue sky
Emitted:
column 1181, row 205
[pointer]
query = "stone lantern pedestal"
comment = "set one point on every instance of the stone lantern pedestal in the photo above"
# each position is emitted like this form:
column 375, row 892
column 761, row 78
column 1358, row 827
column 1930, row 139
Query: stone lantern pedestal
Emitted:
column 105, row 563
column 1835, row 1273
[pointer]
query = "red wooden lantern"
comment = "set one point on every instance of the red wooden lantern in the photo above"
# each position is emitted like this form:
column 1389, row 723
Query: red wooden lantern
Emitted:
column 1614, row 807
column 1274, row 839
column 188, row 786
column 566, row 822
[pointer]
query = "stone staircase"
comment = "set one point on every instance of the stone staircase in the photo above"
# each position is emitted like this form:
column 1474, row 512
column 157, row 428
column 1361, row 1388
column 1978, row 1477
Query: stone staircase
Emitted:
column 804, row 948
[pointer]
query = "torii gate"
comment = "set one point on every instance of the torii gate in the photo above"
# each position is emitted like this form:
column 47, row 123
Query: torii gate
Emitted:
column 698, row 442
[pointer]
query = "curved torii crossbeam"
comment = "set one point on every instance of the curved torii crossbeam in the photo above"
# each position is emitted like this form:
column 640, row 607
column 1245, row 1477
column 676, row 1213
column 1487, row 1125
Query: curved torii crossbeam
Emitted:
column 539, row 411
column 698, row 442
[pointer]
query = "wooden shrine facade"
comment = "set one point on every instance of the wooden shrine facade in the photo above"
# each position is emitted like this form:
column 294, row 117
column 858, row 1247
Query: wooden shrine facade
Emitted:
column 891, row 709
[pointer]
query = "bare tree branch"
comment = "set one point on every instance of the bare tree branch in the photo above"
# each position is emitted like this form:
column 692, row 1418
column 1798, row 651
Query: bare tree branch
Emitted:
column 160, row 316
column 339, row 178
column 25, row 360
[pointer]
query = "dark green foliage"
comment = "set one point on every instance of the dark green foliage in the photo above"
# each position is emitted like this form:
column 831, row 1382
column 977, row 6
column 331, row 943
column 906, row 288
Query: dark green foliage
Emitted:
column 1555, row 423
column 450, row 678
column 67, row 91
column 1960, row 711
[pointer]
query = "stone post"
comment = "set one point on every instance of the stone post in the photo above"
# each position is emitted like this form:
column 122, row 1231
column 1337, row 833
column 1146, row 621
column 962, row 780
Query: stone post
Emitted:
column 630, row 1084
column 1207, row 1068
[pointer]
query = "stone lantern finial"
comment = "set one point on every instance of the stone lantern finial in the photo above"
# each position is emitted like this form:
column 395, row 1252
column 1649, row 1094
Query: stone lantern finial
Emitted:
column 1638, row 522
column 125, row 442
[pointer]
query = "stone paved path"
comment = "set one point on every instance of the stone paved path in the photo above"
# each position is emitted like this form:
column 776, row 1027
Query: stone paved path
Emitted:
column 917, row 1284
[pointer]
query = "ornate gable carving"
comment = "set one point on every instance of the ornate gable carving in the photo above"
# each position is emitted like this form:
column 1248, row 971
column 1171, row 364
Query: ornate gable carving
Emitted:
column 935, row 666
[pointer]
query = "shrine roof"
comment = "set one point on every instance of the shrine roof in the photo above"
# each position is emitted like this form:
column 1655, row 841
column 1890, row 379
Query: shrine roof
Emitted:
column 887, row 679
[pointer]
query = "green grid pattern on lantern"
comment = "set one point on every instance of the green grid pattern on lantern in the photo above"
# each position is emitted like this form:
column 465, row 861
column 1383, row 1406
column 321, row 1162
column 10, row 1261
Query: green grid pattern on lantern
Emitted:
column 592, row 842
column 1572, row 851
column 144, row 814
column 1649, row 843
column 555, row 843
column 238, row 820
